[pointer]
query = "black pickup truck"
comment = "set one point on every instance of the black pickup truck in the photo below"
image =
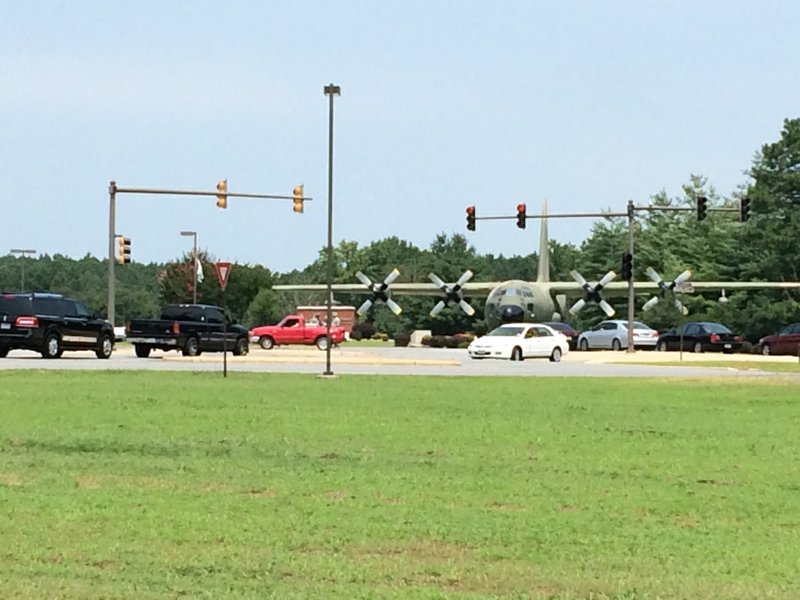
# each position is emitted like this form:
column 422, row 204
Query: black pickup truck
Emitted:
column 50, row 324
column 190, row 328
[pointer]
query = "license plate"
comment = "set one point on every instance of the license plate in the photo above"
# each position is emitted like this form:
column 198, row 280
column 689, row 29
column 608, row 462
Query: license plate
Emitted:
column 5, row 325
column 727, row 345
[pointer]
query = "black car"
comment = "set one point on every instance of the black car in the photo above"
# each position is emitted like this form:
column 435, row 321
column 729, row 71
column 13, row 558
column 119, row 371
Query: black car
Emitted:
column 568, row 330
column 700, row 337
column 50, row 324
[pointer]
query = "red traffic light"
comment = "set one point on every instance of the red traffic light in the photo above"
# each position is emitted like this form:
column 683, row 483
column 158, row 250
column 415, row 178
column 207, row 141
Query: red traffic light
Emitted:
column 521, row 211
column 471, row 218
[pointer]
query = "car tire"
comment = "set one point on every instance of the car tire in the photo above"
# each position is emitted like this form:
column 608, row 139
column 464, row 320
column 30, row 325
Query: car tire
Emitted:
column 584, row 344
column 105, row 346
column 555, row 356
column 516, row 354
column 266, row 342
column 141, row 350
column 765, row 350
column 3, row 352
column 241, row 347
column 661, row 346
column 52, row 346
column 191, row 347
column 616, row 345
column 322, row 342
column 697, row 348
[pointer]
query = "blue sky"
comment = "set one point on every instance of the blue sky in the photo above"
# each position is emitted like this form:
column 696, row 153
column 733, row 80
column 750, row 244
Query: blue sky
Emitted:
column 444, row 104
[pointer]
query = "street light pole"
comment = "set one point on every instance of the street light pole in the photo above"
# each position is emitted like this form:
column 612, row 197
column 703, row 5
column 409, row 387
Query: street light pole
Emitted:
column 22, row 252
column 193, row 234
column 330, row 91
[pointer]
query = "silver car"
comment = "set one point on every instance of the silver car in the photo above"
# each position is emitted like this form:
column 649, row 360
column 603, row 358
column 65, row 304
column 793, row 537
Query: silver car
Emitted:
column 613, row 335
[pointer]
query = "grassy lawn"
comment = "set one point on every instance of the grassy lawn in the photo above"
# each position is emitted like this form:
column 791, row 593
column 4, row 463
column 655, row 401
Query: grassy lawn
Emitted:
column 756, row 365
column 163, row 485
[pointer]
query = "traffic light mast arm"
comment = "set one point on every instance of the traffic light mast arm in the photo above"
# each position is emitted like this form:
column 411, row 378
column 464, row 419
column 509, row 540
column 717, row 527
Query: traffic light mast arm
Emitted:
column 121, row 190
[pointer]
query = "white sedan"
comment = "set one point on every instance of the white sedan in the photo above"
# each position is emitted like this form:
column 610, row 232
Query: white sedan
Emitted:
column 613, row 335
column 518, row 341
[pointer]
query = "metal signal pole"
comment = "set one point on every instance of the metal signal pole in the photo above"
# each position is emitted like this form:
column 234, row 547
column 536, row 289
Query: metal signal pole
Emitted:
column 631, row 294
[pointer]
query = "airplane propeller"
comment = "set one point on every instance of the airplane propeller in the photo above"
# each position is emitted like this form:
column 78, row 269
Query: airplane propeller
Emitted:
column 592, row 293
column 380, row 292
column 666, row 287
column 452, row 295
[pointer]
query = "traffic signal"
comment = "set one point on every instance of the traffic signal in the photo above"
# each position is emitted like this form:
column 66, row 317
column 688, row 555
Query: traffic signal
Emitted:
column 521, row 210
column 627, row 266
column 744, row 209
column 702, row 201
column 297, row 194
column 471, row 218
column 123, row 250
column 222, row 196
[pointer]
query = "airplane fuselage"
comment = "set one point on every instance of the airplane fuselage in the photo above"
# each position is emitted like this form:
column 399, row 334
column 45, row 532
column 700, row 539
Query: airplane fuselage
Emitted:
column 518, row 300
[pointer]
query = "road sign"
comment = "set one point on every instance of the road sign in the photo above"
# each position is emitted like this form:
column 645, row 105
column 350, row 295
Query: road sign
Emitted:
column 223, row 270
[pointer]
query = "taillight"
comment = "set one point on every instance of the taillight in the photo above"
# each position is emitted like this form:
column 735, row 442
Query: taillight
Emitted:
column 31, row 322
column 714, row 338
column 176, row 327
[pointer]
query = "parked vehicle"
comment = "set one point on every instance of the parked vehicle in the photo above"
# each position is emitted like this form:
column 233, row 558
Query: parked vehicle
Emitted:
column 293, row 329
column 50, row 324
column 700, row 337
column 190, row 328
column 786, row 341
column 567, row 330
column 613, row 335
column 518, row 341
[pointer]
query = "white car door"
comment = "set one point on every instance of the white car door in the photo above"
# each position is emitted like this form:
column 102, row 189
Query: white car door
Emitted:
column 531, row 342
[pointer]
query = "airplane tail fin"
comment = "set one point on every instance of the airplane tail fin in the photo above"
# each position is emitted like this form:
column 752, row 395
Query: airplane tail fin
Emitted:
column 543, row 273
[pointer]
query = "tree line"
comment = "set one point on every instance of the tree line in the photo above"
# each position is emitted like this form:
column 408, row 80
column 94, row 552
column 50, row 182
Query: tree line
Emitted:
column 765, row 247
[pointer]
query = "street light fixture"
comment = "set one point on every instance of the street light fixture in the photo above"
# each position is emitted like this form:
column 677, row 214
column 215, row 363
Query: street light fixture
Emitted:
column 330, row 91
column 193, row 234
column 22, row 252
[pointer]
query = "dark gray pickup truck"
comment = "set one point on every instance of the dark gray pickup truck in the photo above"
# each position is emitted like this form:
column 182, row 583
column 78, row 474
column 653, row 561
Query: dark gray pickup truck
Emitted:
column 190, row 328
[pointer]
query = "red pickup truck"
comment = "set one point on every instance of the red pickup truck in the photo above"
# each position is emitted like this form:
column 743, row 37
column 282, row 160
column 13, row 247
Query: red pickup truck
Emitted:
column 293, row 329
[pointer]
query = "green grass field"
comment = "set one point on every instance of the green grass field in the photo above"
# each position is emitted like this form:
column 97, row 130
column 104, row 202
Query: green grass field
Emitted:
column 165, row 485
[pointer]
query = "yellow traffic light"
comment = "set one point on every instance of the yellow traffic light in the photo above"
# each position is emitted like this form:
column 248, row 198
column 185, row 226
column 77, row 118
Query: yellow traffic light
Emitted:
column 222, row 197
column 298, row 198
column 123, row 250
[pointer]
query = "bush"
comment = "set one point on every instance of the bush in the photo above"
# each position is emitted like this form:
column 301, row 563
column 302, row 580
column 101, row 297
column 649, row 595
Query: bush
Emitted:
column 426, row 340
column 402, row 340
column 365, row 329
column 355, row 335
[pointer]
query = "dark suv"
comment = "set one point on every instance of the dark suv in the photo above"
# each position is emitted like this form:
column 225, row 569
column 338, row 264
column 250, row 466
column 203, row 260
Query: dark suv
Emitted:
column 51, row 324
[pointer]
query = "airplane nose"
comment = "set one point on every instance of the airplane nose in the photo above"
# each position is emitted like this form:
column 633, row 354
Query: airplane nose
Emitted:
column 511, row 313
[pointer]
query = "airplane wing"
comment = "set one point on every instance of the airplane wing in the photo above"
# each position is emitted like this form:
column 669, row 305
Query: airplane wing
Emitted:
column 405, row 289
column 620, row 288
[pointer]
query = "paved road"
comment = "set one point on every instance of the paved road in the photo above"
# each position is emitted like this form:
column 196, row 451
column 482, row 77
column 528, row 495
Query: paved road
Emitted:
column 403, row 361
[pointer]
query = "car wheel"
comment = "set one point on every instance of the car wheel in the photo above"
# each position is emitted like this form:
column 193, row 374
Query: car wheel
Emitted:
column 266, row 342
column 191, row 347
column 765, row 350
column 105, row 346
column 616, row 345
column 698, row 347
column 52, row 346
column 661, row 347
column 556, row 355
column 516, row 353
column 241, row 347
column 141, row 350
column 322, row 342
column 584, row 344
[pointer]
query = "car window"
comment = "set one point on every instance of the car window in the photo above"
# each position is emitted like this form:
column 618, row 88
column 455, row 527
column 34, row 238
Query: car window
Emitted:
column 715, row 328
column 213, row 315
column 543, row 331
column 640, row 325
column 609, row 326
column 505, row 331
column 796, row 328
column 291, row 322
column 692, row 329
column 15, row 305
column 53, row 307
column 80, row 309
column 531, row 332
column 787, row 330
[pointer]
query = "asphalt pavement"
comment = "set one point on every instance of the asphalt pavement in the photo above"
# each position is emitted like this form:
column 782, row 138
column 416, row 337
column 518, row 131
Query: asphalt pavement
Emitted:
column 351, row 359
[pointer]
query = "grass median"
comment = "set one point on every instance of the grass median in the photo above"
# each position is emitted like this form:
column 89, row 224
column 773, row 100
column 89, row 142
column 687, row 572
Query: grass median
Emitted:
column 152, row 485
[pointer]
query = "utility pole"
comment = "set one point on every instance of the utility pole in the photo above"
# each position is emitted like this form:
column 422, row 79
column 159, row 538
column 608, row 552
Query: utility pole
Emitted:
column 631, row 293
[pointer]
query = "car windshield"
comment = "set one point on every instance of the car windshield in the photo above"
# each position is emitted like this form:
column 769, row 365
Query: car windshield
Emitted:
column 15, row 305
column 639, row 325
column 505, row 331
